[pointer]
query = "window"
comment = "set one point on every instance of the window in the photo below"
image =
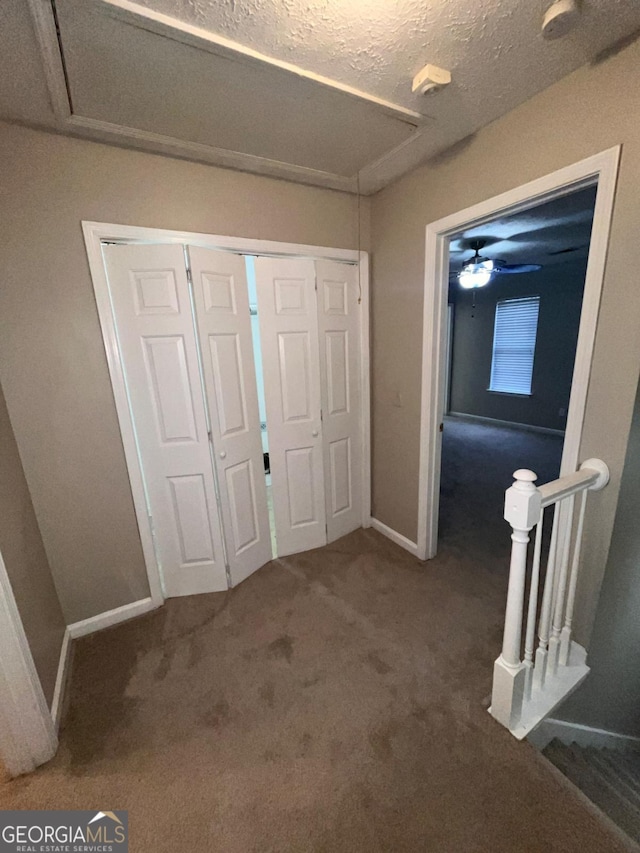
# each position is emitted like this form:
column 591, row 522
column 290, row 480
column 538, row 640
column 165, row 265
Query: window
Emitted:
column 514, row 344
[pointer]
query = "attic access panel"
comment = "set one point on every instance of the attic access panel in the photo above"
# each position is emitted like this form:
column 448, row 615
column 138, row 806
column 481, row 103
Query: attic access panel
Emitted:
column 121, row 72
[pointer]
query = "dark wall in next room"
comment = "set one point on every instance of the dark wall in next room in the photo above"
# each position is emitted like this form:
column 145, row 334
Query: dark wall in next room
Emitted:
column 610, row 697
column 560, row 288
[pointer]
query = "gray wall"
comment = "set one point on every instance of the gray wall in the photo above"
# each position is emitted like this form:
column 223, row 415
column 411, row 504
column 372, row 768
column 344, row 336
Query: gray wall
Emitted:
column 610, row 697
column 589, row 111
column 26, row 562
column 560, row 289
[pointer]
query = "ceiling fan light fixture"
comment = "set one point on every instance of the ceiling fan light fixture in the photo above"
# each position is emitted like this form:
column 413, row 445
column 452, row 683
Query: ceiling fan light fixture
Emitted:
column 476, row 273
column 470, row 279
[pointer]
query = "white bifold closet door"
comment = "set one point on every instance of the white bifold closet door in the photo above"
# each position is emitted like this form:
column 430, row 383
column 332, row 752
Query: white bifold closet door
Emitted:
column 339, row 339
column 310, row 331
column 291, row 363
column 154, row 321
column 224, row 330
column 186, row 351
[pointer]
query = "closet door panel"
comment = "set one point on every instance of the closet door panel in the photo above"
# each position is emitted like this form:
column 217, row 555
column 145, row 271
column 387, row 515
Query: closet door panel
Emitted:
column 339, row 333
column 301, row 487
column 289, row 334
column 151, row 302
column 224, row 325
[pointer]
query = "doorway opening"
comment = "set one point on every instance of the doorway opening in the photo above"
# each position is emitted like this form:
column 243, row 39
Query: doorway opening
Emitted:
column 598, row 171
column 262, row 406
column 516, row 286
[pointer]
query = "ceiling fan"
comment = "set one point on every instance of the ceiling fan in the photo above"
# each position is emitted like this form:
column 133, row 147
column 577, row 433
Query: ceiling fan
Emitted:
column 478, row 271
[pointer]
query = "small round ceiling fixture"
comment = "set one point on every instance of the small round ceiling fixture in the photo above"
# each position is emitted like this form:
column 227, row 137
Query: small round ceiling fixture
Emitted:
column 560, row 18
column 430, row 79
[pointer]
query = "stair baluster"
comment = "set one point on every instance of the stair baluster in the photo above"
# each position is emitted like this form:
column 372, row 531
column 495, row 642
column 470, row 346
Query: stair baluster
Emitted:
column 533, row 606
column 560, row 592
column 565, row 637
column 542, row 652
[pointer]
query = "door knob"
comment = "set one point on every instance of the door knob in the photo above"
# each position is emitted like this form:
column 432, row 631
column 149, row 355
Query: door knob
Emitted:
column 223, row 454
column 315, row 433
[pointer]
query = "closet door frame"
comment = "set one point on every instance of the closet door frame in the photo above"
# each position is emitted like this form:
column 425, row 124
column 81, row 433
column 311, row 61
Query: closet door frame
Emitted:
column 97, row 233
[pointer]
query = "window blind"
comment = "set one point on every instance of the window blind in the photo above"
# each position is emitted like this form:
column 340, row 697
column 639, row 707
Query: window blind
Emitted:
column 514, row 343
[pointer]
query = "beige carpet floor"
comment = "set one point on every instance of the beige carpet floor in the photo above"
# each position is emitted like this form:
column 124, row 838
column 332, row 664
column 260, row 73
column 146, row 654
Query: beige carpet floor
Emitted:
column 335, row 701
column 478, row 461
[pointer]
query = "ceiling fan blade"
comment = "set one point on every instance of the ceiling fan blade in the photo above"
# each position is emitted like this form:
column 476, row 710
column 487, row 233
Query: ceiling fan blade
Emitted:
column 517, row 268
column 569, row 249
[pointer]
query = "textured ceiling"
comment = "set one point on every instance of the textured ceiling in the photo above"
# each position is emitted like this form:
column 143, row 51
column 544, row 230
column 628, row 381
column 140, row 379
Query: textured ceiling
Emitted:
column 378, row 45
column 552, row 233
column 493, row 48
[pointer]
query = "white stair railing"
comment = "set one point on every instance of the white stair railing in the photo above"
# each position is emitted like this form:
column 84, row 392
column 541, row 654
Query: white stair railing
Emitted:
column 529, row 682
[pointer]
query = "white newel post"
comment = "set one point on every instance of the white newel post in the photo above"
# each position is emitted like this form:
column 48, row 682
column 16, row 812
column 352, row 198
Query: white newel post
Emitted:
column 522, row 509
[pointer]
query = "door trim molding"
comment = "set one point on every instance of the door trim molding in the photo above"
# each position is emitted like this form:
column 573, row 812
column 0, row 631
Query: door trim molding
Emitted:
column 95, row 233
column 365, row 387
column 93, row 241
column 600, row 169
column 27, row 732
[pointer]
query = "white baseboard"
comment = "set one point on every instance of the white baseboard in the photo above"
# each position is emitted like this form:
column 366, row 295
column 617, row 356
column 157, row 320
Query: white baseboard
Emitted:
column 82, row 629
column 396, row 537
column 496, row 422
column 111, row 617
column 570, row 733
column 57, row 703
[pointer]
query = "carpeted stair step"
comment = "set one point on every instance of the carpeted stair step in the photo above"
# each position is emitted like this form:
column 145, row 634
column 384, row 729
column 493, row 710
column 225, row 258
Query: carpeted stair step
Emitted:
column 574, row 761
column 631, row 760
column 610, row 768
column 628, row 770
column 576, row 765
